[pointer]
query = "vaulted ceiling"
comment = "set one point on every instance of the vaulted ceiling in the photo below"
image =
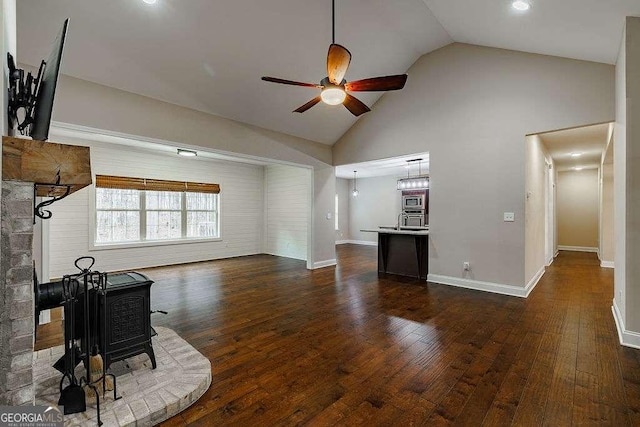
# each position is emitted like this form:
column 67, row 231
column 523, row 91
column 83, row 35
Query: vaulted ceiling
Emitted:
column 209, row 55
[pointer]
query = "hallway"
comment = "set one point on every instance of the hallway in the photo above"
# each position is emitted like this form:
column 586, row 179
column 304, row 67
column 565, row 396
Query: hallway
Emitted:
column 580, row 373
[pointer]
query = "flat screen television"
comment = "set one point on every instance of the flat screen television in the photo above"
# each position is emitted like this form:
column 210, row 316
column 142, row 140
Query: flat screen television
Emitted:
column 47, row 90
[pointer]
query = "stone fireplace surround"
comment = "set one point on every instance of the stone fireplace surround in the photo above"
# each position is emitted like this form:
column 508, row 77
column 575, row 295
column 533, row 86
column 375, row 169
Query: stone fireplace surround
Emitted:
column 26, row 162
column 16, row 294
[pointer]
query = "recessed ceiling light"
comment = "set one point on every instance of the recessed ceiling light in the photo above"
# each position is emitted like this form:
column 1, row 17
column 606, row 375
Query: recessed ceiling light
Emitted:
column 149, row 1
column 577, row 168
column 521, row 5
column 576, row 154
column 186, row 153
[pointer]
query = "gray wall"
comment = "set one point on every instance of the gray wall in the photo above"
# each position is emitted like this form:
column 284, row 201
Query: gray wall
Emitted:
column 377, row 204
column 620, row 180
column 323, row 237
column 632, row 273
column 607, row 240
column 536, row 183
column 470, row 107
column 343, row 190
column 578, row 208
column 89, row 104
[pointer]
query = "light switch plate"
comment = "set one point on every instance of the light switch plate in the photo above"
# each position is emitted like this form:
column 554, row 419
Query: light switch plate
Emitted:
column 509, row 217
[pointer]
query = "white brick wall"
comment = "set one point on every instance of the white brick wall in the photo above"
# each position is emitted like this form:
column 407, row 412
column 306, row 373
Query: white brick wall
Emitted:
column 288, row 202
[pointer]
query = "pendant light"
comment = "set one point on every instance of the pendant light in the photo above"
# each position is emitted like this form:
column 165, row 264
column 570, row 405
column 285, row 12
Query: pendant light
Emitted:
column 355, row 191
column 418, row 182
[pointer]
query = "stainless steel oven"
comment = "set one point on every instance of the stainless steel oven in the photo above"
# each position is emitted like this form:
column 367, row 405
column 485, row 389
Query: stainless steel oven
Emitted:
column 413, row 202
column 414, row 218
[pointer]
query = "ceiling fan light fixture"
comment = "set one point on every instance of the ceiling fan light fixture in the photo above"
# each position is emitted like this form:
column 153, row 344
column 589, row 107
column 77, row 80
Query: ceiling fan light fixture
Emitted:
column 521, row 5
column 333, row 95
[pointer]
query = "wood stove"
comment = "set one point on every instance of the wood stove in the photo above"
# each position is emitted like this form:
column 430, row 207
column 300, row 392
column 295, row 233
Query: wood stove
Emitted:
column 126, row 311
column 124, row 315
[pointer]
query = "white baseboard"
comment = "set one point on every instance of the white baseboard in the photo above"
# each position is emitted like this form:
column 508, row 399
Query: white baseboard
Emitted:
column 357, row 242
column 497, row 288
column 607, row 264
column 325, row 263
column 534, row 280
column 550, row 260
column 627, row 338
column 556, row 254
column 578, row 249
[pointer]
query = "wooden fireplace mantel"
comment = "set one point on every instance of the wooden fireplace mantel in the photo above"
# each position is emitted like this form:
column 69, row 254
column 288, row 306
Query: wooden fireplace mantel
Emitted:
column 46, row 164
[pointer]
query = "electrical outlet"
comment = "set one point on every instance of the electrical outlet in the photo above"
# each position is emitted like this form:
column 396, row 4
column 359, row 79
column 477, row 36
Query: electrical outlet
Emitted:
column 328, row 215
column 466, row 266
column 509, row 217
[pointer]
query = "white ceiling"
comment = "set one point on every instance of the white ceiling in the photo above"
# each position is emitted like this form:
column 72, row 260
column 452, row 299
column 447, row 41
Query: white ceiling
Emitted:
column 590, row 30
column 588, row 141
column 396, row 166
column 210, row 55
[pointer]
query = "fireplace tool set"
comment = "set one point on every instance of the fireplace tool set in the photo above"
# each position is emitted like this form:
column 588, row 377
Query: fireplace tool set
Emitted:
column 85, row 289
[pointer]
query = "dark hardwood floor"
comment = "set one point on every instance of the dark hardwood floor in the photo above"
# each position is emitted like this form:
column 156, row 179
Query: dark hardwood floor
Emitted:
column 340, row 346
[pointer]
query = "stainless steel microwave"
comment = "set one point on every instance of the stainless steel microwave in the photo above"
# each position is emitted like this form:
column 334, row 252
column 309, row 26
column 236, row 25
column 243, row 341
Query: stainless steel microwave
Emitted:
column 412, row 202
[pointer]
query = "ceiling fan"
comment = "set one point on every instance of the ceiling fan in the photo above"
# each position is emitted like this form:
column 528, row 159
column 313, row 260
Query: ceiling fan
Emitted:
column 335, row 87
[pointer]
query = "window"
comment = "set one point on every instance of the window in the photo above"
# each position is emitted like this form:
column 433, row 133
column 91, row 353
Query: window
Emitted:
column 164, row 215
column 138, row 210
column 202, row 215
column 336, row 215
column 117, row 215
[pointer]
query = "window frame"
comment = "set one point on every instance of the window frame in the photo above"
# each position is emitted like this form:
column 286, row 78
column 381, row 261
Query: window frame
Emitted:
column 98, row 246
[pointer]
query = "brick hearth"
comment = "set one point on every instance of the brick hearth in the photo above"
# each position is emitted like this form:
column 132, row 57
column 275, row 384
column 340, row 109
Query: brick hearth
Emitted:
column 148, row 396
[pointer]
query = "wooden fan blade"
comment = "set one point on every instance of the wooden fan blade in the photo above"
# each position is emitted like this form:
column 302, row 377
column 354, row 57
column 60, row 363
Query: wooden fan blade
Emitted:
column 289, row 82
column 338, row 60
column 377, row 84
column 354, row 105
column 308, row 105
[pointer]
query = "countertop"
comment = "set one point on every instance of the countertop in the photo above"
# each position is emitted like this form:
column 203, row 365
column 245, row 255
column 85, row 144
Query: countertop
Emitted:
column 394, row 231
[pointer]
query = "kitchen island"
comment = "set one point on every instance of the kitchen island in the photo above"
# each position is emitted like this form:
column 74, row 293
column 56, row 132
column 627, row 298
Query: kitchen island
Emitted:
column 403, row 252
